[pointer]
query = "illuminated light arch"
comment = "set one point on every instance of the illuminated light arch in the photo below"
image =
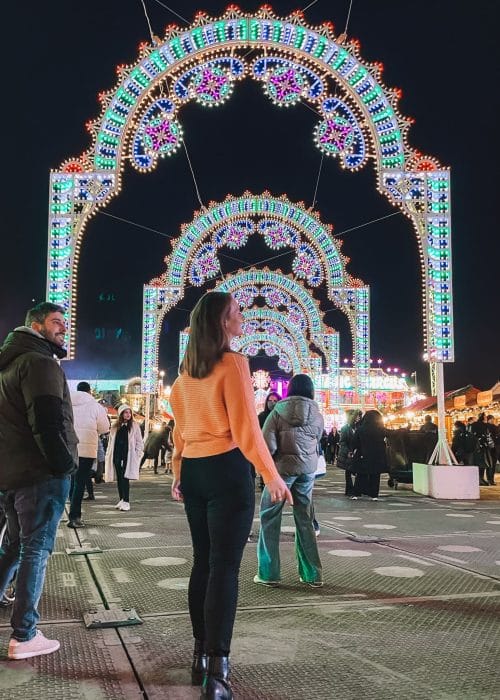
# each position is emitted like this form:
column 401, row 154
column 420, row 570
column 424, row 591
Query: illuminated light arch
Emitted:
column 272, row 345
column 278, row 290
column 282, row 224
column 358, row 121
column 263, row 319
column 251, row 344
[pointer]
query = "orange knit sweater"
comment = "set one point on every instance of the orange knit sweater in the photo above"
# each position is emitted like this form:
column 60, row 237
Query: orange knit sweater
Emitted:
column 216, row 414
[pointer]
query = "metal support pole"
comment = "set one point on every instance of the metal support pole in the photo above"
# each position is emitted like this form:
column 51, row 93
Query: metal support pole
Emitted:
column 442, row 454
column 147, row 411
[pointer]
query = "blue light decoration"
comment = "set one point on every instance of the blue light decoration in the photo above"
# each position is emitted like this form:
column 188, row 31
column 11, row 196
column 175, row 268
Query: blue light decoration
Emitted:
column 359, row 121
column 159, row 134
column 339, row 134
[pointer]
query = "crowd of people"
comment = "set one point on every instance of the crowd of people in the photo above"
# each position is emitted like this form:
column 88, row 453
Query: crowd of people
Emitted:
column 477, row 442
column 52, row 448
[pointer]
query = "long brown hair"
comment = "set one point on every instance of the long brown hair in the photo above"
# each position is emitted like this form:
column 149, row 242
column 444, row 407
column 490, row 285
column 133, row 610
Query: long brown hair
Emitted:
column 207, row 339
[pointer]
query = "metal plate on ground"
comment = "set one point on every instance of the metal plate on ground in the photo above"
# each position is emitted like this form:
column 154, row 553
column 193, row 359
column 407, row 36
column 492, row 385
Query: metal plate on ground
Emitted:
column 370, row 651
column 90, row 665
column 114, row 617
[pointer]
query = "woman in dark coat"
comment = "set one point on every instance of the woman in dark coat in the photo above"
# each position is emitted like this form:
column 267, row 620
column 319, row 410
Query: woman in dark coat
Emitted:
column 371, row 457
column 346, row 448
column 482, row 454
column 271, row 400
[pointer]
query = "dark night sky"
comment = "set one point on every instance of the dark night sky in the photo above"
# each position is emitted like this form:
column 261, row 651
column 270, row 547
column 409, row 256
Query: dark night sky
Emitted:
column 440, row 52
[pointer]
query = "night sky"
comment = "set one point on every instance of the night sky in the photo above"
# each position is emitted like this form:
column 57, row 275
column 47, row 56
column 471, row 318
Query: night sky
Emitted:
column 441, row 53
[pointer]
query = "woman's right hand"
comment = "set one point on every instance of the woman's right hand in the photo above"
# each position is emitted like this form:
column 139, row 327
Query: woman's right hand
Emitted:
column 176, row 490
column 279, row 491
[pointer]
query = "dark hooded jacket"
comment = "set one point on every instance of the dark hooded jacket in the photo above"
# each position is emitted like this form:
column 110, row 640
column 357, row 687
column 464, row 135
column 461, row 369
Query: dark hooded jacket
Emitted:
column 37, row 439
column 292, row 432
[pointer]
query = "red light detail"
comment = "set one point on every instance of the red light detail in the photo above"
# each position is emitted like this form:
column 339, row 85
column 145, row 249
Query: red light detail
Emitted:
column 426, row 165
column 73, row 167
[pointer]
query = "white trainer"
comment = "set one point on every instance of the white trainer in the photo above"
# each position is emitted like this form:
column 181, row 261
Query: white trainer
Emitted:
column 119, row 504
column 35, row 647
column 125, row 505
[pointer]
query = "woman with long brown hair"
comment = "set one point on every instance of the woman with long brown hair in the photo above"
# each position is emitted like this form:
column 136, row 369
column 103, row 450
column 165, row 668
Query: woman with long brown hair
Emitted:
column 123, row 455
column 217, row 438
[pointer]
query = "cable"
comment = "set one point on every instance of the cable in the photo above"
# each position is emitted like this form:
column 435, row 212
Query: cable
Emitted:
column 161, row 233
column 308, row 6
column 367, row 223
column 348, row 16
column 172, row 11
column 317, row 181
column 153, row 41
column 193, row 175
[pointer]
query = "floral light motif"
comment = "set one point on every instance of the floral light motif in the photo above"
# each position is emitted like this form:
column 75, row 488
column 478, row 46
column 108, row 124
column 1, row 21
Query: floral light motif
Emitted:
column 211, row 82
column 159, row 134
column 245, row 295
column 285, row 86
column 211, row 86
column 306, row 265
column 250, row 327
column 339, row 134
column 205, row 265
column 275, row 297
column 160, row 137
column 296, row 317
column 252, row 349
column 277, row 235
column 334, row 133
column 272, row 328
column 235, row 235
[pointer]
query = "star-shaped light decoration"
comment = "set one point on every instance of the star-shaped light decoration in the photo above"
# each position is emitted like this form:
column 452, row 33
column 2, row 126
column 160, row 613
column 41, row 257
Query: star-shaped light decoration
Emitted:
column 211, row 86
column 334, row 135
column 161, row 137
column 285, row 86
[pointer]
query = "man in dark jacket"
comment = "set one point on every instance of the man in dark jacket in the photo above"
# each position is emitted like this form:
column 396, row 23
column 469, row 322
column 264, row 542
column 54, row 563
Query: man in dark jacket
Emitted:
column 37, row 457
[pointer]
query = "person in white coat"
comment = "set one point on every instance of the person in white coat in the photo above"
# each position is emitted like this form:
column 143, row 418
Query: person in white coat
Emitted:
column 90, row 421
column 123, row 455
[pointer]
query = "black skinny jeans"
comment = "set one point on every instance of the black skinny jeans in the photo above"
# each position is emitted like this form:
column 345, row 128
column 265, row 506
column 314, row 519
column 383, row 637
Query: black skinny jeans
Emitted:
column 219, row 499
column 122, row 482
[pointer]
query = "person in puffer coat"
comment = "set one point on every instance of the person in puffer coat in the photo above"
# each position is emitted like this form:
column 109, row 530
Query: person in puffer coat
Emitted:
column 292, row 432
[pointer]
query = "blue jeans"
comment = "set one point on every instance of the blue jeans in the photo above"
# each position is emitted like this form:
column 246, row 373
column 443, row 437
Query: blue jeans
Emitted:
column 306, row 546
column 33, row 514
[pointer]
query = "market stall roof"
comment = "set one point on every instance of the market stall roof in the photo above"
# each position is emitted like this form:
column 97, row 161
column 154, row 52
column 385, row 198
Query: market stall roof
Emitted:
column 495, row 390
column 430, row 402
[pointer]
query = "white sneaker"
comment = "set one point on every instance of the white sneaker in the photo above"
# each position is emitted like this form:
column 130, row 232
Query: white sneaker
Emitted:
column 119, row 504
column 35, row 647
column 125, row 506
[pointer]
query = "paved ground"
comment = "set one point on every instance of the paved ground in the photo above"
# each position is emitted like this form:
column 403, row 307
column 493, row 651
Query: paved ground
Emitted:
column 410, row 606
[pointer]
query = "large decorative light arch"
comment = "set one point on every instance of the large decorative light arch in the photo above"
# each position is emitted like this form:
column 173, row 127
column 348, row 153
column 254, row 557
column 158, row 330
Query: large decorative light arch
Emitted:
column 279, row 290
column 358, row 121
column 261, row 319
column 282, row 224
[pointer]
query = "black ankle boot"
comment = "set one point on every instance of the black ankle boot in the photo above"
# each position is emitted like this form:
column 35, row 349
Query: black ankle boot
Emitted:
column 199, row 667
column 217, row 685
